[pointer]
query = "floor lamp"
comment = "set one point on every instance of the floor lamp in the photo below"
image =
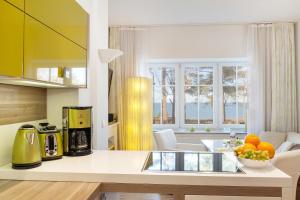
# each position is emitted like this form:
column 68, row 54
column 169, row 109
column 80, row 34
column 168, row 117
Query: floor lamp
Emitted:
column 137, row 114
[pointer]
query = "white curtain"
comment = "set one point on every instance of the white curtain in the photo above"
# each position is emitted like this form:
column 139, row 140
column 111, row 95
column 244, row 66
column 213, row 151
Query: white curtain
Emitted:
column 131, row 42
column 122, row 67
column 272, row 78
column 259, row 87
column 284, row 87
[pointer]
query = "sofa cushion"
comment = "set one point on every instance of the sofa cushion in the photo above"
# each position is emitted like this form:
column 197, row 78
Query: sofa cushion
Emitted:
column 293, row 137
column 285, row 146
column 295, row 147
column 275, row 138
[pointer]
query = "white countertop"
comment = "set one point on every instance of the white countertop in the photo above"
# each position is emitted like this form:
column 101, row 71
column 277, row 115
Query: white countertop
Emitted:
column 126, row 167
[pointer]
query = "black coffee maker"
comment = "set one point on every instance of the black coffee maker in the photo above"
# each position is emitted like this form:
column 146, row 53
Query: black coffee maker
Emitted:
column 77, row 131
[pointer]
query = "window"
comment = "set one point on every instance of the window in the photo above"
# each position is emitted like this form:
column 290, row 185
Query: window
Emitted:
column 234, row 94
column 163, row 94
column 199, row 94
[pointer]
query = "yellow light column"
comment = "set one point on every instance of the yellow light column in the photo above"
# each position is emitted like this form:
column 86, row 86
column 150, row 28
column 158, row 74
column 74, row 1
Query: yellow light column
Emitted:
column 137, row 133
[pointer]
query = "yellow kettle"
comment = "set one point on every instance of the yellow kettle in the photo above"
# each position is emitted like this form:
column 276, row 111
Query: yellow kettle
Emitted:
column 26, row 149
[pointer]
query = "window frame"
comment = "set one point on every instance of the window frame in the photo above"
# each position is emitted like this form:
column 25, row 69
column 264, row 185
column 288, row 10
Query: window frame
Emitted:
column 217, row 64
column 176, row 67
column 182, row 96
column 220, row 95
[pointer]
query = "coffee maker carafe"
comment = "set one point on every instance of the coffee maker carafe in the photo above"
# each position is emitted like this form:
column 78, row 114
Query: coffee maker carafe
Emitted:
column 77, row 130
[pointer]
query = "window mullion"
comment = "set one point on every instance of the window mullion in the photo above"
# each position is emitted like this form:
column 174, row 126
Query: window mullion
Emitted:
column 160, row 86
column 216, row 100
column 236, row 95
column 198, row 104
column 220, row 96
column 161, row 104
column 178, row 94
column 181, row 85
column 198, row 95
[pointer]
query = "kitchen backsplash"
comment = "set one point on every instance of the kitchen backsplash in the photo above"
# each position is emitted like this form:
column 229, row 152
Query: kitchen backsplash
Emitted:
column 56, row 99
column 19, row 104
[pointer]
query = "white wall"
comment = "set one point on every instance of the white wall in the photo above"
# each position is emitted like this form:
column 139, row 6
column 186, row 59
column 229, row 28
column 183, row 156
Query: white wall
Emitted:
column 205, row 41
column 96, row 94
column 298, row 67
column 187, row 42
column 7, row 136
column 56, row 99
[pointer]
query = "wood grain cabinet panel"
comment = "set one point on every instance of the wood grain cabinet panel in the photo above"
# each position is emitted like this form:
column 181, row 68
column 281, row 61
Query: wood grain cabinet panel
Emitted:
column 48, row 56
column 36, row 190
column 11, row 40
column 22, row 104
column 64, row 16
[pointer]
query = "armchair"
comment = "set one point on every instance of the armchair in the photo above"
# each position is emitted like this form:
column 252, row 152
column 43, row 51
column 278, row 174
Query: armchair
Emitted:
column 166, row 141
column 289, row 162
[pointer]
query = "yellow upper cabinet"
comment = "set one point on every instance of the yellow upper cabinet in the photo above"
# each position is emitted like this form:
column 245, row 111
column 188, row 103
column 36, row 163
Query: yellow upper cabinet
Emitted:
column 48, row 56
column 64, row 16
column 18, row 3
column 11, row 40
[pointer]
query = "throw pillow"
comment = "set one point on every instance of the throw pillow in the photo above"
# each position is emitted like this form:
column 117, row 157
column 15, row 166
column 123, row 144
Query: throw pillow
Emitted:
column 275, row 138
column 293, row 137
column 295, row 147
column 285, row 146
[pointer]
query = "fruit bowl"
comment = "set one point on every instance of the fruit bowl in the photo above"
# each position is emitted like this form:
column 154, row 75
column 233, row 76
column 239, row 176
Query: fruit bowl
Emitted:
column 254, row 163
column 255, row 153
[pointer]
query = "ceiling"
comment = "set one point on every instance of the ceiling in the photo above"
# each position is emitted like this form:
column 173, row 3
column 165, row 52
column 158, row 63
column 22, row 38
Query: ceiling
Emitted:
column 168, row 12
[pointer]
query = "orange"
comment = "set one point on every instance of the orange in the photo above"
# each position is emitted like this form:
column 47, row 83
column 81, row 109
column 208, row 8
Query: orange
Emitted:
column 266, row 146
column 249, row 146
column 242, row 149
column 252, row 139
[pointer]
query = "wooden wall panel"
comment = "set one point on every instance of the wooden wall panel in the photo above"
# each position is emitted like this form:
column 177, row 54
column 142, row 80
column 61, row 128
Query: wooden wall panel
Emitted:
column 21, row 104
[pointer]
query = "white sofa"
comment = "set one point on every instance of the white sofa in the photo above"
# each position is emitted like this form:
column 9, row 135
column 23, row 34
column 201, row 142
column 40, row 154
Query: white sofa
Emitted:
column 282, row 141
column 165, row 140
column 287, row 157
column 289, row 162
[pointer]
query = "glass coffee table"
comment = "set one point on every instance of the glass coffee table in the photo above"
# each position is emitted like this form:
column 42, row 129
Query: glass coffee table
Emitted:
column 218, row 145
column 196, row 162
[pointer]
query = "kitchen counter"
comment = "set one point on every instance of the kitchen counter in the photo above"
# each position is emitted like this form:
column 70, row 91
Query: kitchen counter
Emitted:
column 125, row 167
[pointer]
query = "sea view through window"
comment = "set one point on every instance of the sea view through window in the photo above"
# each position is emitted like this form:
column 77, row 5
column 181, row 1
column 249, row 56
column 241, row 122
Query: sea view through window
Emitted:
column 199, row 94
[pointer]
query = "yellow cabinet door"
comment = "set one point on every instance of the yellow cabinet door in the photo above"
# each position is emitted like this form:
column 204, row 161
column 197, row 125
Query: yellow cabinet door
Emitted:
column 18, row 3
column 64, row 16
column 48, row 56
column 11, row 40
